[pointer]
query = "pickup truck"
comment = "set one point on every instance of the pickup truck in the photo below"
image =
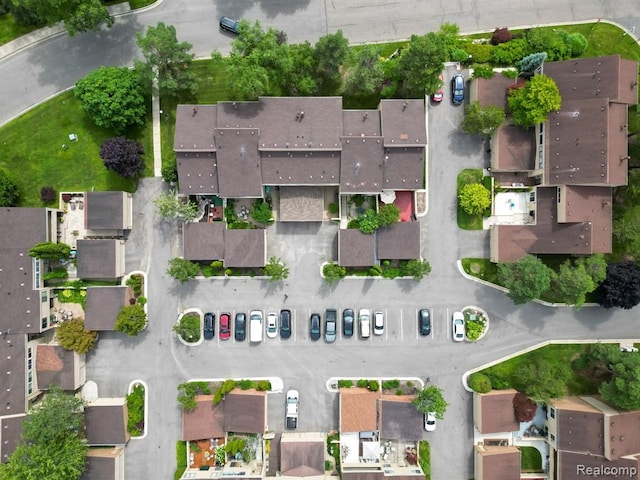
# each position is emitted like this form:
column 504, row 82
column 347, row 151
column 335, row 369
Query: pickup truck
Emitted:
column 255, row 324
column 293, row 398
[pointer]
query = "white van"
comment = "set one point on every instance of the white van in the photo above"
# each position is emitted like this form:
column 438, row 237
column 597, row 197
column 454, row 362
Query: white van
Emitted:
column 255, row 325
column 365, row 322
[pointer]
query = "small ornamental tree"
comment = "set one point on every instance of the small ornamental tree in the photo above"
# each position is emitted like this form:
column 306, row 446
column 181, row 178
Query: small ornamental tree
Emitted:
column 72, row 335
column 510, row 52
column 368, row 222
column 276, row 270
column 577, row 43
column 182, row 269
column 474, row 198
column 526, row 279
column 50, row 251
column 431, row 399
column 501, row 35
column 333, row 272
column 132, row 320
column 123, row 156
column 169, row 206
column 531, row 104
column 9, row 195
column 481, row 120
column 261, row 212
column 188, row 327
column 112, row 97
column 417, row 269
column 170, row 171
column 388, row 214
column 524, row 408
column 531, row 63
column 48, row 194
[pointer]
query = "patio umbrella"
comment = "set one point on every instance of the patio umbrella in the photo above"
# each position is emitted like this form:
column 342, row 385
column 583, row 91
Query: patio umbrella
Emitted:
column 388, row 196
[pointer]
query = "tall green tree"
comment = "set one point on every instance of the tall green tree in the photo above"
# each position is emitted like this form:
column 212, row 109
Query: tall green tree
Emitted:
column 474, row 198
column 431, row 399
column 166, row 60
column 623, row 389
column 526, row 279
column 112, row 97
column 182, row 269
column 367, row 74
column 72, row 335
column 78, row 15
column 531, row 104
column 330, row 52
column 421, row 64
column 170, row 206
column 9, row 194
column 302, row 76
column 542, row 381
column 573, row 282
column 482, row 120
column 51, row 445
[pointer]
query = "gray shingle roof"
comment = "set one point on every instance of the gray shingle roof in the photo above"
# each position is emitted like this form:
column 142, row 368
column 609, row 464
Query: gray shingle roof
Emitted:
column 97, row 259
column 102, row 307
column 104, row 210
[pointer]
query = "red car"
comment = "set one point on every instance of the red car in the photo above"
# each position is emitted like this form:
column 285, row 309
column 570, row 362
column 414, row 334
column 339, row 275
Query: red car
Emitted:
column 439, row 95
column 225, row 326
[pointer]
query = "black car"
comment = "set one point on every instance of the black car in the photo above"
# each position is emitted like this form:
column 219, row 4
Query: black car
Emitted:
column 285, row 323
column 314, row 326
column 347, row 322
column 229, row 24
column 424, row 321
column 209, row 322
column 240, row 327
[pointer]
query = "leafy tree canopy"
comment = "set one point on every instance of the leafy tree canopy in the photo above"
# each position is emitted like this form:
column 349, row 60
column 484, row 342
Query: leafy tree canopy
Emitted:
column 276, row 270
column 132, row 319
column 367, row 74
column 474, row 198
column 330, row 52
column 112, row 97
column 623, row 390
column 621, row 287
column 431, row 399
column 9, row 194
column 482, row 121
column 573, row 282
column 526, row 279
column 417, row 269
column 302, row 76
column 421, row 64
column 50, row 251
column 531, row 104
column 169, row 206
column 388, row 214
column 333, row 272
column 167, row 58
column 543, row 381
column 72, row 335
column 123, row 156
column 78, row 15
column 182, row 269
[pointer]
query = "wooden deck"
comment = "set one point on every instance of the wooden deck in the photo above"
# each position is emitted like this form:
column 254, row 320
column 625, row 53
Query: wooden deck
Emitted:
column 205, row 453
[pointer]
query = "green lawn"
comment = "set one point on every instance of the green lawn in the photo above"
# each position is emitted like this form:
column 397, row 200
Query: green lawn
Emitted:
column 466, row 221
column 424, row 458
column 504, row 373
column 481, row 268
column 181, row 459
column 530, row 459
column 34, row 156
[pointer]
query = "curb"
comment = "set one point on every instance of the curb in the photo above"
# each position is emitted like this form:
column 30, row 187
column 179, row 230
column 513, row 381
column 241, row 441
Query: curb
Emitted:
column 182, row 314
column 332, row 382
column 277, row 385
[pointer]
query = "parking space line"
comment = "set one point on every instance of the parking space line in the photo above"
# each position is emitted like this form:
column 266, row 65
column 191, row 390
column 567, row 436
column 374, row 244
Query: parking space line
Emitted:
column 401, row 324
column 433, row 326
column 418, row 325
column 446, row 320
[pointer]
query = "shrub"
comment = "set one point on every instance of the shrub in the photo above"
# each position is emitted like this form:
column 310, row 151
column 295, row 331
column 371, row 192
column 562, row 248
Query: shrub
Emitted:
column 9, row 194
column 482, row 71
column 333, row 208
column 123, row 156
column 56, row 274
column 498, row 383
column 207, row 271
column 409, row 383
column 388, row 214
column 345, row 384
column 217, row 264
column 509, row 53
column 511, row 73
column 524, row 408
column 188, row 327
column 375, row 270
column 73, row 336
column 235, row 445
column 501, row 35
column 135, row 409
column 479, row 382
column 459, row 55
column 391, row 273
column 374, row 385
column 48, row 194
column 474, row 198
column 221, row 455
column 228, row 272
column 368, row 222
column 244, row 384
column 188, row 391
column 362, row 383
column 333, row 272
column 479, row 53
column 135, row 282
column 474, row 329
column 353, row 224
column 577, row 43
column 399, row 391
column 328, row 465
column 390, row 384
column 142, row 301
column 386, row 263
column 169, row 171
column 261, row 212
column 132, row 320
column 263, row 386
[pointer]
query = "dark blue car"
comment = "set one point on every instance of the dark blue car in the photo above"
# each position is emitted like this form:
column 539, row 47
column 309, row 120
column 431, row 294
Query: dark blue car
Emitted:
column 457, row 89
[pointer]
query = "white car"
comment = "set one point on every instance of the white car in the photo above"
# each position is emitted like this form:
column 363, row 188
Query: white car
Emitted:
column 378, row 323
column 628, row 349
column 458, row 326
column 430, row 422
column 272, row 324
column 365, row 322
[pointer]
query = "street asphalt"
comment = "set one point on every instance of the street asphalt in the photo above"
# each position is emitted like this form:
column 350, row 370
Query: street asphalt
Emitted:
column 158, row 358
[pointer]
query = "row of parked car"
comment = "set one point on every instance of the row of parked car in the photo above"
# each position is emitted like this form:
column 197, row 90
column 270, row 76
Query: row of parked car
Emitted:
column 282, row 323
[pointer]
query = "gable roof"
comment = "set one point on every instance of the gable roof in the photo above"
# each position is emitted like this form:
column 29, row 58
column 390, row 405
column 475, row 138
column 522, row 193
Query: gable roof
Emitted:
column 245, row 248
column 194, row 128
column 203, row 241
column 106, row 422
column 10, row 430
column 204, row 421
column 302, row 454
column 498, row 463
column 403, row 122
column 361, row 165
column 198, row 173
column 103, row 305
column 400, row 241
column 104, row 210
column 579, row 426
column 403, row 168
column 400, row 420
column 291, row 167
column 13, row 374
column 492, row 91
column 96, row 259
column 238, row 162
column 355, row 249
column 245, row 411
column 55, row 366
column 104, row 464
column 496, row 410
column 358, row 410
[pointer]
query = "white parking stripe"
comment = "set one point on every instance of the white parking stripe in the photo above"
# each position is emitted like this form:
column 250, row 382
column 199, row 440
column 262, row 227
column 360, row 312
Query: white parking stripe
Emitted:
column 401, row 324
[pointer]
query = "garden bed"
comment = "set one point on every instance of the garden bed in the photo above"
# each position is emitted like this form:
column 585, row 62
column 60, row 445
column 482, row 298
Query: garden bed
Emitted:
column 189, row 326
column 476, row 323
column 137, row 409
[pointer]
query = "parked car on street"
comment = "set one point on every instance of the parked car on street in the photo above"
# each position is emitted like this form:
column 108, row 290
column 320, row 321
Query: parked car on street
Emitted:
column 457, row 89
column 330, row 325
column 364, row 317
column 240, row 327
column 430, row 422
column 424, row 321
column 285, row 323
column 458, row 326
column 347, row 322
column 272, row 325
column 225, row 326
column 229, row 24
column 314, row 326
column 378, row 323
column 209, row 325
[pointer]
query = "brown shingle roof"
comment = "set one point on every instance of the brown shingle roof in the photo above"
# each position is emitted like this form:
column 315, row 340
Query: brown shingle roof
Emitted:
column 400, row 420
column 245, row 411
column 97, row 259
column 10, row 430
column 301, row 204
column 204, row 421
column 403, row 122
column 13, row 375
column 355, row 249
column 55, row 366
column 571, row 466
column 579, row 426
column 238, row 162
column 514, row 149
column 198, row 173
column 623, row 431
column 104, row 210
column 377, row 475
column 194, row 128
column 400, row 241
column 499, row 463
column 300, row 168
column 403, row 168
column 104, row 464
column 361, row 166
column 203, row 241
column 302, row 455
column 358, row 410
column 496, row 408
column 106, row 422
column 492, row 91
column 357, row 123
column 102, row 307
column 245, row 248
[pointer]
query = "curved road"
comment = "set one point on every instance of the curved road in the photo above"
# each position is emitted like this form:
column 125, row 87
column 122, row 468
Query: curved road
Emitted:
column 162, row 362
